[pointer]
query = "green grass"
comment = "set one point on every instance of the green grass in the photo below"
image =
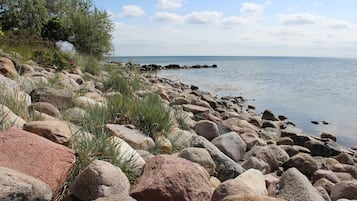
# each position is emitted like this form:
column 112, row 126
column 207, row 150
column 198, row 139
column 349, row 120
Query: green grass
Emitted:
column 181, row 119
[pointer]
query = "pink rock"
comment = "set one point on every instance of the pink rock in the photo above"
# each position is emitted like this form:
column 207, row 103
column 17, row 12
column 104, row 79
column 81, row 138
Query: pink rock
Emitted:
column 169, row 178
column 36, row 156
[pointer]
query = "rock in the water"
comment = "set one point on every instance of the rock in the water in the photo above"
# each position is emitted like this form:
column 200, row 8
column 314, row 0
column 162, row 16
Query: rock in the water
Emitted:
column 231, row 144
column 46, row 108
column 200, row 156
column 36, row 156
column 167, row 177
column 344, row 189
column 268, row 115
column 303, row 162
column 207, row 129
column 295, row 186
column 251, row 181
column 54, row 130
column 58, row 97
column 100, row 179
column 17, row 186
column 133, row 137
column 226, row 168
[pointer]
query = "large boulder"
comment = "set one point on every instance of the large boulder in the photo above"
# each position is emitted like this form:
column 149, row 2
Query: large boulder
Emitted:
column 87, row 103
column 7, row 84
column 207, row 129
column 167, row 177
column 226, row 168
column 344, row 189
column 303, row 162
column 295, row 186
column 36, row 156
column 17, row 186
column 251, row 181
column 55, row 130
column 7, row 67
column 99, row 179
column 133, row 137
column 200, row 156
column 60, row 98
column 268, row 115
column 231, row 144
column 9, row 119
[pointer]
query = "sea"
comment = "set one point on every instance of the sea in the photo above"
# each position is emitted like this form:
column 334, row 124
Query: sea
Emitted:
column 304, row 89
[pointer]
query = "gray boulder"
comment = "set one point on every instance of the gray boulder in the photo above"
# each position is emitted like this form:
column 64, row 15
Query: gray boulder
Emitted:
column 200, row 156
column 344, row 189
column 231, row 144
column 207, row 129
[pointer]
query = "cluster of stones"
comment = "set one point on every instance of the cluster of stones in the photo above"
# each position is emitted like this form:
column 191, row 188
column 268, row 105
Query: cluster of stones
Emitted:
column 229, row 153
column 155, row 67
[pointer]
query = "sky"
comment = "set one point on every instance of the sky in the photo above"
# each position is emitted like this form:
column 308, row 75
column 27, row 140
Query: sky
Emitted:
column 326, row 28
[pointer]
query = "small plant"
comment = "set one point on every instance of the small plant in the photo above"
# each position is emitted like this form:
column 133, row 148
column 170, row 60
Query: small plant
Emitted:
column 181, row 119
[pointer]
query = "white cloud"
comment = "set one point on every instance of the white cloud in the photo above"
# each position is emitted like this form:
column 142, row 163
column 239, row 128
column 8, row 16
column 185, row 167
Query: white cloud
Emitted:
column 339, row 24
column 234, row 20
column 251, row 9
column 132, row 11
column 166, row 16
column 203, row 17
column 169, row 4
column 298, row 19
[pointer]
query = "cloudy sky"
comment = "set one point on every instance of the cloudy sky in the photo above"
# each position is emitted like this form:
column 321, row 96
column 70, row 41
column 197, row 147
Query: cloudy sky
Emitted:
column 233, row 27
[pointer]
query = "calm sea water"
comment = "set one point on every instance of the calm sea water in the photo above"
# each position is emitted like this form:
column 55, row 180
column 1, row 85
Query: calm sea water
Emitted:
column 302, row 88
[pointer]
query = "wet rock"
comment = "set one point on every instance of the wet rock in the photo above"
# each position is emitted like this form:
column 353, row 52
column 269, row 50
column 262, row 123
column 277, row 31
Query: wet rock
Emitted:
column 17, row 186
column 231, row 144
column 344, row 189
column 133, row 137
column 250, row 182
column 99, row 179
column 268, row 115
column 167, row 177
column 207, row 129
column 303, row 162
column 200, row 156
column 36, row 156
column 57, row 97
column 226, row 168
column 295, row 186
column 46, row 108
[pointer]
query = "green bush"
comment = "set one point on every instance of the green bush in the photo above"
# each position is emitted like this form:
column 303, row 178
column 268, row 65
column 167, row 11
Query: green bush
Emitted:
column 52, row 58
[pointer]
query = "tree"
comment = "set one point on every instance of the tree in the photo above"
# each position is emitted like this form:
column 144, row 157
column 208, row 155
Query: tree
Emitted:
column 91, row 32
column 23, row 14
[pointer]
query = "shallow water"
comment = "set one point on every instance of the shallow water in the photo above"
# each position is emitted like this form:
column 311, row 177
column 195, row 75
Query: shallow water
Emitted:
column 302, row 88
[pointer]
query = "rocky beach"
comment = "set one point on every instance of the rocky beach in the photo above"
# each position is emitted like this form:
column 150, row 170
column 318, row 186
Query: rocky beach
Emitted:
column 215, row 149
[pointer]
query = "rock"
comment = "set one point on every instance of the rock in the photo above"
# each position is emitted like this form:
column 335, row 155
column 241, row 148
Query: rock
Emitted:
column 285, row 141
column 54, row 130
column 326, row 149
column 248, row 197
column 303, row 162
column 116, row 197
column 133, row 137
column 327, row 174
column 36, row 156
column 193, row 87
column 75, row 114
column 226, row 168
column 25, row 68
column 269, row 124
column 345, row 168
column 344, row 189
column 7, row 84
column 256, row 163
column 181, row 138
column 60, row 98
column 268, row 115
column 46, row 108
column 207, row 129
column 179, row 101
column 163, row 144
column 344, row 176
column 214, row 182
column 17, row 186
column 231, row 144
column 210, row 100
column 195, row 109
column 239, row 125
column 328, row 136
column 295, row 186
column 128, row 154
column 290, row 150
column 324, row 183
column 269, row 133
column 99, row 179
column 166, row 177
column 87, row 103
column 7, row 68
column 145, row 154
column 200, row 156
column 252, row 139
column 250, row 182
column 9, row 119
column 345, row 158
column 69, row 83
column 272, row 184
column 324, row 194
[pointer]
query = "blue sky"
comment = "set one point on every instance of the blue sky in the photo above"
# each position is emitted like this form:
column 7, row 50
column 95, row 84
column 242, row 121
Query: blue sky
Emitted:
column 233, row 27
